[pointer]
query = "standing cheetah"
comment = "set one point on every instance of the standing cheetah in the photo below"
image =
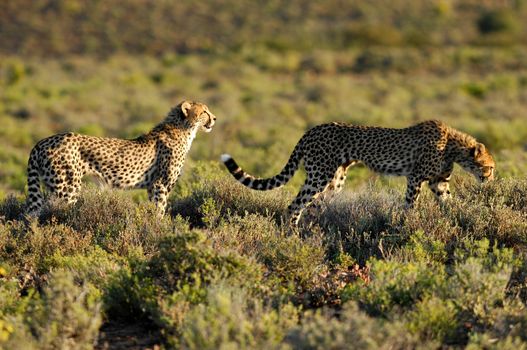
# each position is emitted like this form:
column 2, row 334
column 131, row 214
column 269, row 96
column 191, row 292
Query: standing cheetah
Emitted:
column 152, row 161
column 423, row 152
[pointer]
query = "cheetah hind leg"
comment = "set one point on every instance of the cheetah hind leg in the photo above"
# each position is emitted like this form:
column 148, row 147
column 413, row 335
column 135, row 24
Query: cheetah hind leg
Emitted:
column 336, row 185
column 310, row 191
column 67, row 189
column 34, row 199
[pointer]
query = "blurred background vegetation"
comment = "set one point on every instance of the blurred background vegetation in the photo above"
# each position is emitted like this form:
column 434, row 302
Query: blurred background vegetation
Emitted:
column 268, row 71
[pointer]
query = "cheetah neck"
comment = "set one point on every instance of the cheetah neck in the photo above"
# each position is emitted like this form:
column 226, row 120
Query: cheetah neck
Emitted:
column 174, row 127
column 182, row 135
column 175, row 131
column 457, row 142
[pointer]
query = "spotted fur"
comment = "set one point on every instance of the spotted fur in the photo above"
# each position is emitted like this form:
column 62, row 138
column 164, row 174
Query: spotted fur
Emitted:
column 152, row 161
column 424, row 152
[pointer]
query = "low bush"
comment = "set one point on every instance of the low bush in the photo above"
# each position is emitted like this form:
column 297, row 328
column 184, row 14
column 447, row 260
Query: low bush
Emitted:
column 163, row 287
column 373, row 223
column 64, row 316
column 443, row 300
column 211, row 196
column 324, row 330
column 498, row 21
column 230, row 318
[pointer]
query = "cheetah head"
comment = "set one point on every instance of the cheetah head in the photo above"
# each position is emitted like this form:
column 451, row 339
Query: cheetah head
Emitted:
column 479, row 162
column 196, row 113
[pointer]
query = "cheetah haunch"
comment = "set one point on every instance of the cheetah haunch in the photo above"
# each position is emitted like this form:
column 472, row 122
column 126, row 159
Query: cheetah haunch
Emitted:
column 423, row 152
column 152, row 161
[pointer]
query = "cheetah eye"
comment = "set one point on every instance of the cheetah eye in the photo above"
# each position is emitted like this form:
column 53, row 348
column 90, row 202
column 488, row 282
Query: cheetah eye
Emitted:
column 487, row 169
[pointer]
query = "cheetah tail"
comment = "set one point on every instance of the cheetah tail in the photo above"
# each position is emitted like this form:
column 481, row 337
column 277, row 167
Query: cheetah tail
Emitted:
column 34, row 194
column 263, row 184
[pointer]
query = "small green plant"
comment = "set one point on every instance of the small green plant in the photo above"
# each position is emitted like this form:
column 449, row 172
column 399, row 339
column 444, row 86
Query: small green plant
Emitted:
column 14, row 71
column 210, row 212
column 476, row 90
column 498, row 21
column 433, row 319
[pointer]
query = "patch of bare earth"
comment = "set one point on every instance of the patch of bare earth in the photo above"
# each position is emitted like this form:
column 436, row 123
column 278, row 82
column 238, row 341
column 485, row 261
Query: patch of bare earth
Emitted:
column 117, row 336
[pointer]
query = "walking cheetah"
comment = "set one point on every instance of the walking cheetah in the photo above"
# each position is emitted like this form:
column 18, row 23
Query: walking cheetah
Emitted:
column 152, row 161
column 424, row 152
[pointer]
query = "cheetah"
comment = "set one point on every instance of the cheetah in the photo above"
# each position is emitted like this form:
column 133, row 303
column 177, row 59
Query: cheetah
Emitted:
column 423, row 152
column 152, row 161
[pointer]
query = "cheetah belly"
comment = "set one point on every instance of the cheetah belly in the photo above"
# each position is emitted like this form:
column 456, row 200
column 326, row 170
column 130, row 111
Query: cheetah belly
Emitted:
column 122, row 179
column 390, row 163
column 118, row 171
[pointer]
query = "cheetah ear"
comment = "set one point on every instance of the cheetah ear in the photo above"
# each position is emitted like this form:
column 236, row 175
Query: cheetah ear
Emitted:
column 185, row 108
column 477, row 150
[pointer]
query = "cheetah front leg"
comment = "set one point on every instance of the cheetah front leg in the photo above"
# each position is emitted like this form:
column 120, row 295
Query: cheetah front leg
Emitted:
column 440, row 187
column 413, row 190
column 169, row 166
column 158, row 194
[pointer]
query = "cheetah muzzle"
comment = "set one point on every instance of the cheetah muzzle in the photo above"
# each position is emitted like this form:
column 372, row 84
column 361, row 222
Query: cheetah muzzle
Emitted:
column 152, row 161
column 425, row 152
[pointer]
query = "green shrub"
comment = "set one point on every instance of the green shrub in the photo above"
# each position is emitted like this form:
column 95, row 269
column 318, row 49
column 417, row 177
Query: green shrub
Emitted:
column 476, row 90
column 112, row 220
column 478, row 285
column 486, row 341
column 231, row 318
column 353, row 328
column 11, row 208
column 94, row 265
column 27, row 248
column 13, row 71
column 372, row 222
column 162, row 287
column 296, row 268
column 294, row 261
column 14, row 334
column 433, row 319
column 498, row 21
column 10, row 299
column 440, row 306
column 373, row 35
column 248, row 234
column 395, row 285
column 65, row 316
column 210, row 196
column 371, row 60
column 318, row 62
column 187, row 259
